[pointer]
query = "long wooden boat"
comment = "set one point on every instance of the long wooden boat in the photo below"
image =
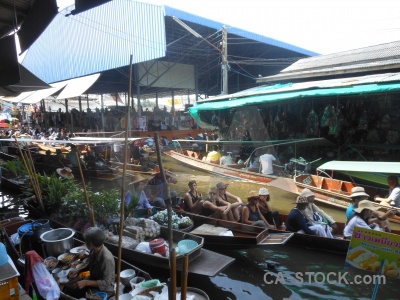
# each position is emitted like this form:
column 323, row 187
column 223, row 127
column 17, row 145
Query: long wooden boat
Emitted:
column 10, row 226
column 336, row 245
column 201, row 261
column 192, row 159
column 219, row 234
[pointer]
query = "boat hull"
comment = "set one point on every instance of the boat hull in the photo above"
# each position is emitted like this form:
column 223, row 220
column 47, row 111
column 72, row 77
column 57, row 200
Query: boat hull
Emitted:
column 218, row 169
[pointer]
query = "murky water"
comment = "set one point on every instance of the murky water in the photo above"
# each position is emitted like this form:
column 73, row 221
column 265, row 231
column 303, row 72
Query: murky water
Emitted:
column 276, row 272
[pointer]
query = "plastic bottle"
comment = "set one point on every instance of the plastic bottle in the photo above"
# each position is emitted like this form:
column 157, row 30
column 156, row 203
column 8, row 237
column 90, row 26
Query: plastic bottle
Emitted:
column 283, row 226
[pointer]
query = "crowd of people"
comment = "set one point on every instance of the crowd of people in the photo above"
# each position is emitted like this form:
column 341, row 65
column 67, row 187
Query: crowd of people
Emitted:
column 306, row 217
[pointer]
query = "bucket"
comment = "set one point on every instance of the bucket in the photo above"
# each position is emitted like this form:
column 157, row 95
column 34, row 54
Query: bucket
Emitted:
column 158, row 246
column 58, row 241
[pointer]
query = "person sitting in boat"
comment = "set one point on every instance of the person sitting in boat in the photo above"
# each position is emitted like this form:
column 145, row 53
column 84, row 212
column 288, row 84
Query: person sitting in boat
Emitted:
column 272, row 217
column 223, row 195
column 214, row 156
column 200, row 137
column 314, row 214
column 394, row 192
column 155, row 189
column 226, row 159
column 358, row 194
column 193, row 200
column 297, row 221
column 361, row 218
column 251, row 213
column 136, row 199
column 214, row 207
column 101, row 267
column 266, row 163
column 74, row 155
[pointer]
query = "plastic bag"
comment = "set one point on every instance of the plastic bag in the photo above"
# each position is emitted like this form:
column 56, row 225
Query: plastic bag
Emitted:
column 45, row 283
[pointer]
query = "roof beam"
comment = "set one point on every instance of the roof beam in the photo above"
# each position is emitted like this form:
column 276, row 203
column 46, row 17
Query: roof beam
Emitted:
column 13, row 9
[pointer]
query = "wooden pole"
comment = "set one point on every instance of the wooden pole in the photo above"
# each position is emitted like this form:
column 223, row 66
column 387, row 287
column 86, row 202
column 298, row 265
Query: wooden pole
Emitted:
column 167, row 195
column 122, row 212
column 172, row 285
column 184, row 279
column 91, row 213
column 32, row 176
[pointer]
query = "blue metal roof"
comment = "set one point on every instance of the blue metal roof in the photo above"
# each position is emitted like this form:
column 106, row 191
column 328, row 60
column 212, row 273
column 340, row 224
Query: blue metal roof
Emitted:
column 185, row 16
column 96, row 40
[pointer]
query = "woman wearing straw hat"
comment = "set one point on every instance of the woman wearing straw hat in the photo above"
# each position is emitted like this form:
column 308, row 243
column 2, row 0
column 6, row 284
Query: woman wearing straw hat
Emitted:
column 136, row 194
column 361, row 217
column 297, row 221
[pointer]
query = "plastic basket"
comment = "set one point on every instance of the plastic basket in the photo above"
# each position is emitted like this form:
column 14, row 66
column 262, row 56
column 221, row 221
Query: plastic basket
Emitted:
column 186, row 246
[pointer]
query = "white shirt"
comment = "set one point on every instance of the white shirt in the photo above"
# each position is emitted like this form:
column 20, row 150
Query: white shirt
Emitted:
column 266, row 163
column 356, row 221
column 395, row 196
column 226, row 160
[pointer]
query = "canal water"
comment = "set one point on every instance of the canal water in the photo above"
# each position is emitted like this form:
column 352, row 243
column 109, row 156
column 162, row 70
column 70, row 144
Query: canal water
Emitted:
column 274, row 272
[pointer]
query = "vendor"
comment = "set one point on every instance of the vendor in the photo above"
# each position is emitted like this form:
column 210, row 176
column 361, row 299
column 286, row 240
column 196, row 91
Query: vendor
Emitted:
column 101, row 266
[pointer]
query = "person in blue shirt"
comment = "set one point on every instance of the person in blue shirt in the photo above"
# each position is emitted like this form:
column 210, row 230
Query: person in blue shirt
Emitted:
column 297, row 221
column 357, row 195
column 136, row 193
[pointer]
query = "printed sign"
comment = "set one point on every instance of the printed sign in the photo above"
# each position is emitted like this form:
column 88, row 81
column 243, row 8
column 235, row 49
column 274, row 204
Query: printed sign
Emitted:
column 370, row 248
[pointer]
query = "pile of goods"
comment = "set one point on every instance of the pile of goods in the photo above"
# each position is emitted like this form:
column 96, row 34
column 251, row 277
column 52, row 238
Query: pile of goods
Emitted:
column 177, row 221
column 136, row 231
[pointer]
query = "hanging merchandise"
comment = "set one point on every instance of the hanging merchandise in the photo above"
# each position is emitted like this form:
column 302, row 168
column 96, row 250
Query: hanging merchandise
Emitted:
column 312, row 127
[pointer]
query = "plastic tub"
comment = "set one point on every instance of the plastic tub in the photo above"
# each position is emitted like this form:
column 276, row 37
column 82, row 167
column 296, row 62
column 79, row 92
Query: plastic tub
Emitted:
column 102, row 294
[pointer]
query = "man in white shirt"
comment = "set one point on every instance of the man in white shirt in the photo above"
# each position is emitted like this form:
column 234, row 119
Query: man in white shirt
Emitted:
column 394, row 192
column 266, row 163
column 226, row 159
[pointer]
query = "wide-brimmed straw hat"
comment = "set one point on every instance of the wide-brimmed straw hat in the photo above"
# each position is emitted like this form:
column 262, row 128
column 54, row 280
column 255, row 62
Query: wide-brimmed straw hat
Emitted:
column 137, row 178
column 65, row 172
column 365, row 204
column 301, row 199
column 307, row 193
column 263, row 192
column 358, row 191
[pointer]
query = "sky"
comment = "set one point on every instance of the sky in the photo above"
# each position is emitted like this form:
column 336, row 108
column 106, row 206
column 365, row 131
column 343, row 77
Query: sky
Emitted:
column 321, row 26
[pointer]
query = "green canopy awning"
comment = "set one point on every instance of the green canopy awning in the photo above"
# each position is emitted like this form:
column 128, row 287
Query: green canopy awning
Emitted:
column 275, row 97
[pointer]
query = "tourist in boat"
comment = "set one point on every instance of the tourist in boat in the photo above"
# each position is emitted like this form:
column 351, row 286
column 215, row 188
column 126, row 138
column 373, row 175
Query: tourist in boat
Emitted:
column 214, row 156
column 224, row 195
column 361, row 218
column 314, row 213
column 272, row 217
column 74, row 155
column 200, row 137
column 142, row 207
column 226, row 159
column 155, row 189
column 251, row 214
column 101, row 266
column 193, row 200
column 246, row 149
column 393, row 198
column 266, row 163
column 358, row 194
column 297, row 221
column 214, row 207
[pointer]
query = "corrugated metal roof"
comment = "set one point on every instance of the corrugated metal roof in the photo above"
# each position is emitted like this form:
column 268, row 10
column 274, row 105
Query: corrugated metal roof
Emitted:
column 185, row 16
column 99, row 39
column 378, row 57
column 329, row 83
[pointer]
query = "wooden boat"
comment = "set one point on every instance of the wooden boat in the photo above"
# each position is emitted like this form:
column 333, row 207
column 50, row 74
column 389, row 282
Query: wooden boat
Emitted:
column 10, row 226
column 201, row 261
column 192, row 159
column 216, row 233
column 329, row 191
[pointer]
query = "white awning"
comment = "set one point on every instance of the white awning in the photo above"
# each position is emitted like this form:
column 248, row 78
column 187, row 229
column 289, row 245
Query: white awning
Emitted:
column 41, row 94
column 20, row 97
column 362, row 166
column 78, row 86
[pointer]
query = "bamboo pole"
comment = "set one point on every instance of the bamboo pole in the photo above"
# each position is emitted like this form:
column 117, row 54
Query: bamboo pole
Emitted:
column 122, row 212
column 184, row 279
column 167, row 194
column 32, row 177
column 91, row 213
column 172, row 260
